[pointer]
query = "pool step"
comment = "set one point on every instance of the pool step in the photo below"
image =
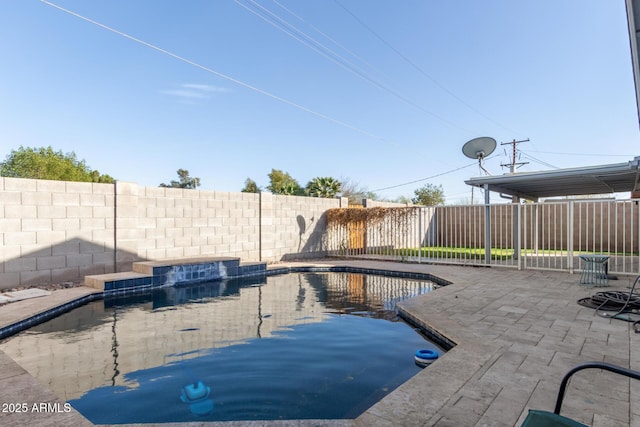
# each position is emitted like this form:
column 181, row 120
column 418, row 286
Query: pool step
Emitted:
column 251, row 268
column 171, row 272
column 118, row 281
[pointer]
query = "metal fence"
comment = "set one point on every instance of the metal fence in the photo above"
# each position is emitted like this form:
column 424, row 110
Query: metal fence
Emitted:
column 547, row 235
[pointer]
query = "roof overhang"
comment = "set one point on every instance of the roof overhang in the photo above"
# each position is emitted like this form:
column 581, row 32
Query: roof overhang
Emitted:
column 633, row 21
column 602, row 179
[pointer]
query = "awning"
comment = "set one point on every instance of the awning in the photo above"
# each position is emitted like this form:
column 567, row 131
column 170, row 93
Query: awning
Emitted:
column 633, row 20
column 602, row 179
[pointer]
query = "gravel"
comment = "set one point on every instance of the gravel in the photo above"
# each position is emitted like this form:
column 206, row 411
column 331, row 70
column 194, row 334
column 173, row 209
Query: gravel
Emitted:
column 46, row 287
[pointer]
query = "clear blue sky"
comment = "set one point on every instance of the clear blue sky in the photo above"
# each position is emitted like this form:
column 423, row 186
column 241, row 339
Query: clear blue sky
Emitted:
column 399, row 87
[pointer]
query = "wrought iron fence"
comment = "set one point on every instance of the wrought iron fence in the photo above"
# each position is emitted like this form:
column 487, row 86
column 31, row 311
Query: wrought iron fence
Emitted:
column 547, row 235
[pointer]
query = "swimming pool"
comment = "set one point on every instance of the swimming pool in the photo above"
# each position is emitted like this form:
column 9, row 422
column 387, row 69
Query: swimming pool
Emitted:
column 296, row 346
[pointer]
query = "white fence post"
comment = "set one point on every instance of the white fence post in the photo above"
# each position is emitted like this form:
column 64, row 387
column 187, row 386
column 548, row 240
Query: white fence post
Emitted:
column 570, row 224
column 487, row 226
column 420, row 235
column 518, row 234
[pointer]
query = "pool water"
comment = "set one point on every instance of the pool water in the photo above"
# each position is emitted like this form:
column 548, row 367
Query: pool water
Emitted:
column 297, row 346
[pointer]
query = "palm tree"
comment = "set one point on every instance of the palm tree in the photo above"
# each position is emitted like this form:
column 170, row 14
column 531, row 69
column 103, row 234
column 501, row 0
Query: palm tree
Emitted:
column 327, row 187
column 289, row 189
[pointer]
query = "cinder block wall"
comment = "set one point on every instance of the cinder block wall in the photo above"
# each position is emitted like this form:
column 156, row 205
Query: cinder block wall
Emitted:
column 369, row 203
column 294, row 228
column 176, row 223
column 55, row 231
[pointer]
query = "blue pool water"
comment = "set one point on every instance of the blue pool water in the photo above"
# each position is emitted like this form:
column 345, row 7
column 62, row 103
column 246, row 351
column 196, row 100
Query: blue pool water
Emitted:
column 298, row 346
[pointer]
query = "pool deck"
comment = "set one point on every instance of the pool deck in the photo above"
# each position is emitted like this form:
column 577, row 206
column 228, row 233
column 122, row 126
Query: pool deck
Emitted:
column 516, row 334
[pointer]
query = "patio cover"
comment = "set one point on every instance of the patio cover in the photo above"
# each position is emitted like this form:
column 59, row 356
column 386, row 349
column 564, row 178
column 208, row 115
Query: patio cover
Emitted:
column 633, row 20
column 602, row 179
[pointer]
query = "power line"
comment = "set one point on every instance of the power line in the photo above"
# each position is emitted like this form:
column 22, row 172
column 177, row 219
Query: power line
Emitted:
column 419, row 69
column 427, row 178
column 217, row 73
column 583, row 154
column 535, row 159
column 331, row 39
column 336, row 58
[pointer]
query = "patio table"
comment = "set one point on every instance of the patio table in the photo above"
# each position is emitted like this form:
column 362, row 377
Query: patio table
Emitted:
column 594, row 270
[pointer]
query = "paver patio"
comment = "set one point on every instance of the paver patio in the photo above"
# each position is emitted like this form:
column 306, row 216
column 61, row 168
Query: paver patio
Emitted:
column 516, row 334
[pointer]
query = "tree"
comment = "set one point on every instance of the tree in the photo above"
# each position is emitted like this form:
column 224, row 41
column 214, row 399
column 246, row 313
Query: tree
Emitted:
column 45, row 163
column 250, row 186
column 403, row 199
column 355, row 192
column 103, row 179
column 429, row 195
column 326, row 186
column 290, row 189
column 283, row 183
column 185, row 181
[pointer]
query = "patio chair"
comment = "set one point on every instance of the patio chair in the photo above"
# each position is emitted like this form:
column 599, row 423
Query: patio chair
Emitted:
column 537, row 418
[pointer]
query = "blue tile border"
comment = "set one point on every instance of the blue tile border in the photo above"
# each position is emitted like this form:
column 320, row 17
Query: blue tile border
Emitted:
column 346, row 269
column 431, row 333
column 141, row 285
column 47, row 315
column 187, row 273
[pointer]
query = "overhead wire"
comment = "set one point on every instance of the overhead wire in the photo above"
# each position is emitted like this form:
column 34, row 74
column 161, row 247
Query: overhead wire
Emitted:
column 217, row 73
column 429, row 177
column 328, row 37
column 583, row 154
column 527, row 154
column 334, row 57
column 421, row 70
column 358, row 57
column 462, row 196
column 254, row 88
column 535, row 159
column 332, row 40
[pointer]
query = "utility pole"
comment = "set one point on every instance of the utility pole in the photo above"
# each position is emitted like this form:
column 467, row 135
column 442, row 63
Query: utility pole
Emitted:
column 515, row 199
column 513, row 165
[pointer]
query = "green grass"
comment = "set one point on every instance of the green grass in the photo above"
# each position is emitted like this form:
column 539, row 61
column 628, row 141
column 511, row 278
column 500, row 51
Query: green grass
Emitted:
column 453, row 252
column 479, row 253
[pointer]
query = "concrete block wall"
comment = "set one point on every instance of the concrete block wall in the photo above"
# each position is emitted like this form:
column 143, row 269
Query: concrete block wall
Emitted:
column 177, row 223
column 126, row 225
column 55, row 231
column 293, row 228
column 369, row 203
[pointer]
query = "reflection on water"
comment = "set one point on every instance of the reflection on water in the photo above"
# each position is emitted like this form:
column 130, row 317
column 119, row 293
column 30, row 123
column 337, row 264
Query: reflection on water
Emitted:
column 122, row 344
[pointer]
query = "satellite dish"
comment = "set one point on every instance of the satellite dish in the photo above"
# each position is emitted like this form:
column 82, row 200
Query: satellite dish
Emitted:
column 479, row 148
